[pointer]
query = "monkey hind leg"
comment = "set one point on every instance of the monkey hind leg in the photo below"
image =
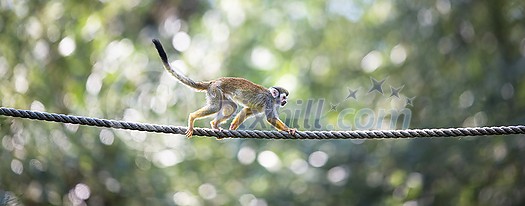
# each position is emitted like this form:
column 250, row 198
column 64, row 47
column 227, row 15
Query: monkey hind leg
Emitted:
column 200, row 113
column 213, row 105
column 227, row 109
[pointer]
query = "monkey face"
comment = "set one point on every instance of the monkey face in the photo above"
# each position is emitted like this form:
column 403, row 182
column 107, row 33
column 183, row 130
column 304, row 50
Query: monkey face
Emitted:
column 282, row 99
column 280, row 95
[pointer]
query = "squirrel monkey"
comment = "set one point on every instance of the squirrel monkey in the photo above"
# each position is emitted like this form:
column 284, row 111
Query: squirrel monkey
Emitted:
column 225, row 93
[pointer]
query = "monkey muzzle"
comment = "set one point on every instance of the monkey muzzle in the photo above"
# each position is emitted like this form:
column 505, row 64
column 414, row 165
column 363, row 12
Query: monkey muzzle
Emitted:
column 283, row 103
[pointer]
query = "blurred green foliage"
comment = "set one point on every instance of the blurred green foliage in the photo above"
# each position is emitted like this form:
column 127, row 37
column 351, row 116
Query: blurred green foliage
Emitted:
column 463, row 61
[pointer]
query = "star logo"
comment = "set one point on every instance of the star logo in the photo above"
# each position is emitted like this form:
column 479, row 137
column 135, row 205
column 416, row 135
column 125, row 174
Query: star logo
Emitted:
column 410, row 101
column 376, row 85
column 333, row 107
column 395, row 91
column 352, row 94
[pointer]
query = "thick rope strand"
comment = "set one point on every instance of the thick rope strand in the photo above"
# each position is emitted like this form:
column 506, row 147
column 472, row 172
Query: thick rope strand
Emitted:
column 367, row 134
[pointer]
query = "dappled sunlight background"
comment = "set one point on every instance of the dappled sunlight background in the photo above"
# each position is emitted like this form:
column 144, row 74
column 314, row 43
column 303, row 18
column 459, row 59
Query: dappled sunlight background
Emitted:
column 454, row 63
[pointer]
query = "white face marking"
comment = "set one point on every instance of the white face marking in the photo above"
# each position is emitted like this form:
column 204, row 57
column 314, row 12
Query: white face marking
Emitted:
column 282, row 99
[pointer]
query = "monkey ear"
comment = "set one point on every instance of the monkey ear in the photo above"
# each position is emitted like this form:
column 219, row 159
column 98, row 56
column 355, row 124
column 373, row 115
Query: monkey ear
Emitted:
column 274, row 92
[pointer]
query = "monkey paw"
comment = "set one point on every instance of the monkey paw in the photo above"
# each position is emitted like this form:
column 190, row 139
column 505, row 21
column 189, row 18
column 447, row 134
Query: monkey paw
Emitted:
column 292, row 131
column 189, row 132
column 216, row 127
column 233, row 126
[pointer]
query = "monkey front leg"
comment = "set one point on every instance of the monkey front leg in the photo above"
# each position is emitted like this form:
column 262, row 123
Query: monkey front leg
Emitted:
column 277, row 123
column 239, row 119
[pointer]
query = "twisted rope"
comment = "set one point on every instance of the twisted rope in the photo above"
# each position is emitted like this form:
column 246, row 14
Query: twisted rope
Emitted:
column 377, row 134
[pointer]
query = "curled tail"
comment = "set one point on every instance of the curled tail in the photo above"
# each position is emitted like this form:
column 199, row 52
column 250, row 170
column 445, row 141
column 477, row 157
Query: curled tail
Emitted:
column 184, row 79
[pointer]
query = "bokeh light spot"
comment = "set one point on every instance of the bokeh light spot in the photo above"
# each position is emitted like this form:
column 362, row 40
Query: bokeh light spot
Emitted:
column 371, row 61
column 184, row 198
column 82, row 191
column 181, row 41
column 246, row 155
column 17, row 167
column 466, row 99
column 263, row 58
column 106, row 137
column 167, row 158
column 398, row 54
column 67, row 46
column 299, row 166
column 318, row 159
column 269, row 160
column 207, row 191
column 337, row 175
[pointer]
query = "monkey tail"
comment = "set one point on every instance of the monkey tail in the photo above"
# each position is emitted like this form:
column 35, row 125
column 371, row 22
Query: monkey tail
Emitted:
column 184, row 79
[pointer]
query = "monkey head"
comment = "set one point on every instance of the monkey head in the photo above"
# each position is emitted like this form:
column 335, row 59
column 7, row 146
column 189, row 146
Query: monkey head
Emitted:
column 280, row 95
